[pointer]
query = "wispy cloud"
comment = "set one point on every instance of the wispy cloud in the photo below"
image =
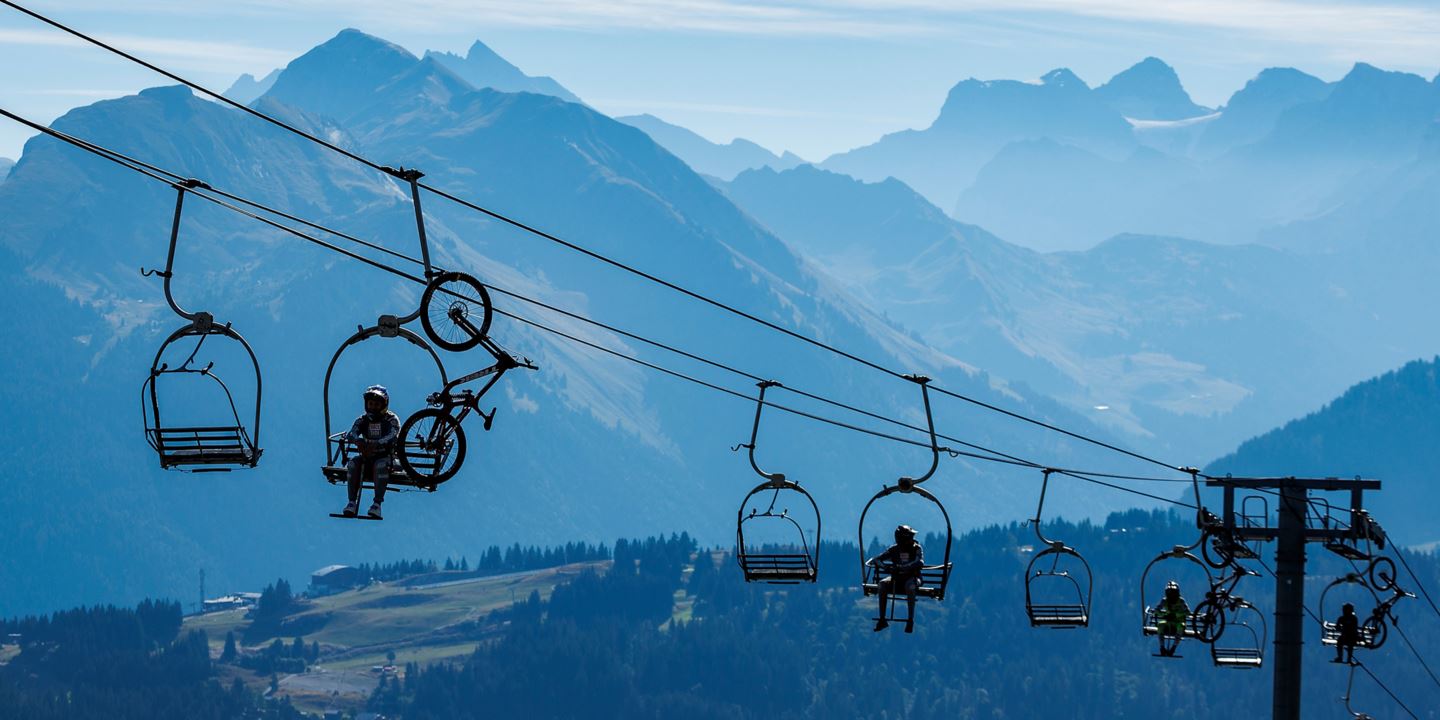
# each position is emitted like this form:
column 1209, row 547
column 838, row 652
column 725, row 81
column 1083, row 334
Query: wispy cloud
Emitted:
column 188, row 54
column 79, row 92
column 1353, row 28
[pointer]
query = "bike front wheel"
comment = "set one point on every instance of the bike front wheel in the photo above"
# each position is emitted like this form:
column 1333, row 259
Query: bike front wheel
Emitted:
column 434, row 446
column 455, row 311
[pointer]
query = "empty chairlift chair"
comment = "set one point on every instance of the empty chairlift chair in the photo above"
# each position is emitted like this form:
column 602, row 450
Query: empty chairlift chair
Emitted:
column 775, row 563
column 1055, row 596
column 1240, row 641
column 220, row 441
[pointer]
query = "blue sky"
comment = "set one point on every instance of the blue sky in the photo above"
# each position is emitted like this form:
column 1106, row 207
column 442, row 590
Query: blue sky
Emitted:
column 811, row 77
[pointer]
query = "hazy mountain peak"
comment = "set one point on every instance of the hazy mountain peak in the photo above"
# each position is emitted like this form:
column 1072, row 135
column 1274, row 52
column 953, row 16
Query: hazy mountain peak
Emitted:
column 246, row 88
column 1063, row 77
column 483, row 67
column 1365, row 77
column 1275, row 80
column 338, row 77
column 168, row 94
column 1149, row 90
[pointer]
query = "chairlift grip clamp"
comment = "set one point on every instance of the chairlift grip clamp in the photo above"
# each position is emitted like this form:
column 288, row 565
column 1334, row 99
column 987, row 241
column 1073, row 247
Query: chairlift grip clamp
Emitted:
column 409, row 175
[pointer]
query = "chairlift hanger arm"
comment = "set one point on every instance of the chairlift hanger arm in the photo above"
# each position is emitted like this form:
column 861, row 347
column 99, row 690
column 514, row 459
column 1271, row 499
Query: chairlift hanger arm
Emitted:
column 908, row 482
column 181, row 188
column 775, row 479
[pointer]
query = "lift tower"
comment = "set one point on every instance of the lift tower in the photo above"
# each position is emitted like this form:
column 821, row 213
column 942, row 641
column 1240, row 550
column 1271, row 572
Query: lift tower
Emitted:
column 1296, row 525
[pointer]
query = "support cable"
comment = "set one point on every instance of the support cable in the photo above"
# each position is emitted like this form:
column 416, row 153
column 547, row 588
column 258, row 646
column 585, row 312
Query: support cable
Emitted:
column 574, row 246
column 172, row 178
column 1423, row 592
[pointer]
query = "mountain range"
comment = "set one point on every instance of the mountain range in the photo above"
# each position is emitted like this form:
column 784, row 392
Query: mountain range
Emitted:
column 1136, row 155
column 589, row 446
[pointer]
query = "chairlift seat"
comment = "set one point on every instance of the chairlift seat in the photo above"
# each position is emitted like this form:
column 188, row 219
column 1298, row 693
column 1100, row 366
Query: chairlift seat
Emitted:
column 1194, row 624
column 1242, row 658
column 1347, row 551
column 932, row 582
column 183, row 446
column 777, row 567
column 1330, row 635
column 1059, row 616
column 426, row 461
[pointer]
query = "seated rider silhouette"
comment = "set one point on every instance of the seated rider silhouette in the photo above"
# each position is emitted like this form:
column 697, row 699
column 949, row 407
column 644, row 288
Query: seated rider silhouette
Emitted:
column 1348, row 625
column 1171, row 617
column 373, row 435
column 903, row 562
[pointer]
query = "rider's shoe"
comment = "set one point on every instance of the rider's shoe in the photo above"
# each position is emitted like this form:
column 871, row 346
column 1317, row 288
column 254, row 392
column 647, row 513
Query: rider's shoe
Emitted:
column 881, row 624
column 909, row 626
column 374, row 511
column 351, row 509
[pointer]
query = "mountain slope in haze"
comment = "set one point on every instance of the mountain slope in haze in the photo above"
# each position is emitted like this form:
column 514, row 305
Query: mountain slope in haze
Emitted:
column 589, row 445
column 1382, row 428
column 483, row 67
column 1250, row 114
column 246, row 88
column 1149, row 90
column 5, row 165
column 710, row 158
column 1149, row 328
column 979, row 118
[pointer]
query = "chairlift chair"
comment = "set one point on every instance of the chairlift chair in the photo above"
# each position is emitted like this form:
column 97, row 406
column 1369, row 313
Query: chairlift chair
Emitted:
column 1226, row 612
column 200, row 448
column 1196, row 624
column 1374, row 629
column 1239, row 619
column 197, row 448
column 783, row 565
column 933, row 578
column 1059, row 615
column 339, row 450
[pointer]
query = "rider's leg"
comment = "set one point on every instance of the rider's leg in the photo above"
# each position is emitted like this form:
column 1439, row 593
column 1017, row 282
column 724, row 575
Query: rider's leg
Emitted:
column 912, row 586
column 380, row 471
column 882, row 620
column 352, row 484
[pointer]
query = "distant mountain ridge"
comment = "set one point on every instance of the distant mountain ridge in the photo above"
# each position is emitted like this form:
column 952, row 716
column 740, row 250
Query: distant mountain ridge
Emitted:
column 483, row 67
column 710, row 158
column 5, row 165
column 1190, row 341
column 1382, row 428
column 1136, row 155
column 246, row 88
